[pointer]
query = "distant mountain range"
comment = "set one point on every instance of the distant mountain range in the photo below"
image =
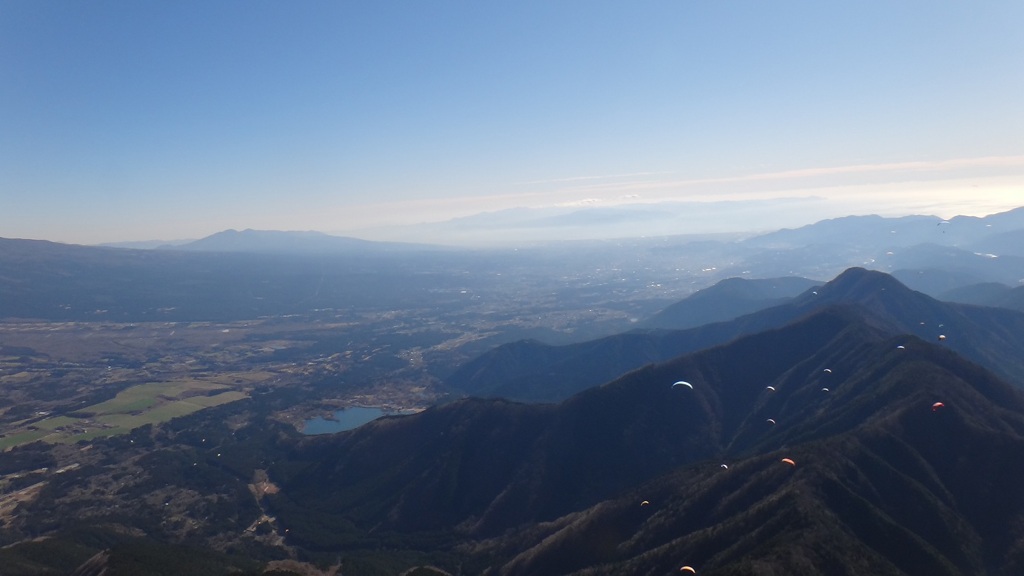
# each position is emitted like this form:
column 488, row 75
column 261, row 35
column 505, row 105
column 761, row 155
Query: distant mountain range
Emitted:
column 882, row 233
column 278, row 242
column 944, row 254
column 47, row 280
column 758, row 226
column 587, row 221
column 292, row 272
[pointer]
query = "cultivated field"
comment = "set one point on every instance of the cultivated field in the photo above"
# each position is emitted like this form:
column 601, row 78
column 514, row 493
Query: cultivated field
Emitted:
column 136, row 406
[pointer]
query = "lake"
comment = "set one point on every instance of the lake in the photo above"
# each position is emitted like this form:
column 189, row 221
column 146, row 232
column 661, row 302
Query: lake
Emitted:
column 344, row 419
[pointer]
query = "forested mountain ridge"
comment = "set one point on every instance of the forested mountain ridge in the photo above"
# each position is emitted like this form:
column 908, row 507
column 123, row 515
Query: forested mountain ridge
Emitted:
column 881, row 477
column 533, row 371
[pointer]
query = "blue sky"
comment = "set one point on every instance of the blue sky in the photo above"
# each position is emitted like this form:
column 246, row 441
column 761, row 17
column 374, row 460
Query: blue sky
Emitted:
column 123, row 120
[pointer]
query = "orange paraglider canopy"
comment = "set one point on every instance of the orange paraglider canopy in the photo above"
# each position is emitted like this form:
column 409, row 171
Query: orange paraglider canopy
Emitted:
column 688, row 569
column 789, row 461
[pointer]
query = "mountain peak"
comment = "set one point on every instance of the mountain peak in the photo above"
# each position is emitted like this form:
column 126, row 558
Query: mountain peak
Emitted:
column 859, row 285
column 856, row 276
column 276, row 241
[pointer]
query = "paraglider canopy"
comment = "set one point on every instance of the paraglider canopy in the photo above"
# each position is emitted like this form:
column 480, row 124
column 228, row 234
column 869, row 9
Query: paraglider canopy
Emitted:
column 827, row 370
column 771, row 388
column 688, row 569
column 789, row 461
column 645, row 503
column 726, row 466
column 942, row 336
column 683, row 383
column 770, row 421
column 936, row 406
column 901, row 347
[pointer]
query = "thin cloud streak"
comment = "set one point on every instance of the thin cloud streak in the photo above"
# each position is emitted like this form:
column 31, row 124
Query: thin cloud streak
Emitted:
column 944, row 187
column 602, row 177
column 915, row 166
column 807, row 173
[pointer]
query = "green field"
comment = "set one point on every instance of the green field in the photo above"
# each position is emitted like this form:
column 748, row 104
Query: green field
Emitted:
column 147, row 397
column 21, row 437
column 151, row 403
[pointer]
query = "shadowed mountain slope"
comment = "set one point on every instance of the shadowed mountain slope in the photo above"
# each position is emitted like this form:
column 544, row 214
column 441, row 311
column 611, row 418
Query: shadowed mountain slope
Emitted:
column 936, row 282
column 913, row 493
column 488, row 464
column 728, row 299
column 952, row 265
column 882, row 482
column 532, row 371
column 988, row 294
column 1010, row 243
column 905, row 491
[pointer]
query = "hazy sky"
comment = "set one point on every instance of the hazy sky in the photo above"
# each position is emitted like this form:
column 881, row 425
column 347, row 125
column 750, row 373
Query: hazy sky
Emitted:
column 128, row 120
